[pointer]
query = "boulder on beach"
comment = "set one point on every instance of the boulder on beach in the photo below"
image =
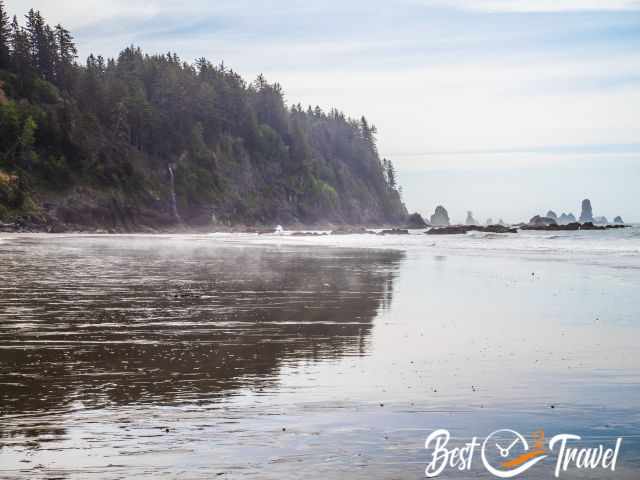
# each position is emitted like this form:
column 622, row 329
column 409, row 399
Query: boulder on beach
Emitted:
column 440, row 218
column 470, row 220
column 586, row 215
column 618, row 220
column 415, row 220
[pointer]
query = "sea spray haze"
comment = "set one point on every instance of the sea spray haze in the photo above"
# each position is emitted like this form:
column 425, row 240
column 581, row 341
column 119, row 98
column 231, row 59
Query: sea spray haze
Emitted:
column 147, row 140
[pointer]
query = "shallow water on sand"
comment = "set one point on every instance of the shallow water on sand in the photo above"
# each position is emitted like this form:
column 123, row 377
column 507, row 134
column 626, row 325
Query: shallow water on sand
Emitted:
column 252, row 356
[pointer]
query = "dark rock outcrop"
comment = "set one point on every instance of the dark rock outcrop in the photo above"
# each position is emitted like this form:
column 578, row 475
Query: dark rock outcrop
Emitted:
column 415, row 220
column 590, row 226
column 347, row 230
column 618, row 220
column 542, row 221
column 551, row 227
column 462, row 229
column 394, row 231
column 440, row 218
column 309, row 234
column 586, row 215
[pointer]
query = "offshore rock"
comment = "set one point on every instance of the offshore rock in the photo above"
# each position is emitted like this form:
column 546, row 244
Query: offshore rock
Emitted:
column 586, row 215
column 552, row 227
column 470, row 220
column 440, row 218
column 415, row 220
column 462, row 229
column 541, row 221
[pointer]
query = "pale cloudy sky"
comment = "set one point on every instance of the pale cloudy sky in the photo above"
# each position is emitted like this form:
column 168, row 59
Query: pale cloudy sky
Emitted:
column 504, row 107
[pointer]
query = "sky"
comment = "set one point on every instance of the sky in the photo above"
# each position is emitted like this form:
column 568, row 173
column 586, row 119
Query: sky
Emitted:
column 507, row 108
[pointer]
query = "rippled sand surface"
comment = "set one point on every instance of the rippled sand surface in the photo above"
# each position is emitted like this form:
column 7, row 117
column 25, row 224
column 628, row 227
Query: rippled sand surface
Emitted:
column 261, row 357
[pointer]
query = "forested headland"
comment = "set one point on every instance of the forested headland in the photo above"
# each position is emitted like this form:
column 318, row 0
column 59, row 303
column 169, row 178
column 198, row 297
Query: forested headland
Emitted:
column 149, row 140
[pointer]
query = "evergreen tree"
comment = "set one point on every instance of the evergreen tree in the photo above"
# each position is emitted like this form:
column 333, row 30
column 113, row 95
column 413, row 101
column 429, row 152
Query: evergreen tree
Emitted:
column 5, row 37
column 21, row 57
column 391, row 174
column 116, row 123
column 66, row 55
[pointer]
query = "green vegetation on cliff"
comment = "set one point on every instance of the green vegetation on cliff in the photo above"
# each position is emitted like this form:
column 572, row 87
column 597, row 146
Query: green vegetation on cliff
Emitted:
column 150, row 140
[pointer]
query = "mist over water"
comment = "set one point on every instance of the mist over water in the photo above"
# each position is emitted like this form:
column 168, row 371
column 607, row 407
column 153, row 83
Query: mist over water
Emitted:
column 270, row 356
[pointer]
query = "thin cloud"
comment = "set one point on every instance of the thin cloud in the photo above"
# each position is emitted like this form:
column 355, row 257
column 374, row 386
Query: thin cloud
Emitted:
column 539, row 5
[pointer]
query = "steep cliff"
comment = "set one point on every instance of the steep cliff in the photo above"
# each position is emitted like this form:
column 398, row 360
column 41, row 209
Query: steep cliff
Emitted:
column 151, row 141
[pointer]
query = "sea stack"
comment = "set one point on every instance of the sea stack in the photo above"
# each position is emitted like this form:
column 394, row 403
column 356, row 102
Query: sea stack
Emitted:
column 618, row 220
column 538, row 221
column 552, row 214
column 470, row 220
column 440, row 218
column 587, row 212
column 565, row 219
column 415, row 220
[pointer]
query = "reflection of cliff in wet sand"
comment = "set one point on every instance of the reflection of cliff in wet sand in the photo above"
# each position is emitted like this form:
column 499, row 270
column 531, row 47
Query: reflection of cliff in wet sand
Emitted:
column 178, row 324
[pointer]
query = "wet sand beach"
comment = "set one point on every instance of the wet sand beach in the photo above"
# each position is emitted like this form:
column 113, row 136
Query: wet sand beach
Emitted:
column 264, row 356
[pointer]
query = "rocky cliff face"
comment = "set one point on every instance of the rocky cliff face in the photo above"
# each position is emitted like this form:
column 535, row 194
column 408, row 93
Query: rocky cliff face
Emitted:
column 151, row 142
column 440, row 217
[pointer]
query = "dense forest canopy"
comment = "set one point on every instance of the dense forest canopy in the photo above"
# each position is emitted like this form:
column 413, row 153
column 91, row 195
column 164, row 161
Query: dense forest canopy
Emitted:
column 152, row 140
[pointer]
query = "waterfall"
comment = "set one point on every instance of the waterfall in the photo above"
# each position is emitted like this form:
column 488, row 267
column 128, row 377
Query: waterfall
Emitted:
column 174, row 205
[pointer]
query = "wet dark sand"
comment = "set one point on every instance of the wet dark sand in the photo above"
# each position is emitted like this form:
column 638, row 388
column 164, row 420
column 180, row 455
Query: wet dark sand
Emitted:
column 194, row 358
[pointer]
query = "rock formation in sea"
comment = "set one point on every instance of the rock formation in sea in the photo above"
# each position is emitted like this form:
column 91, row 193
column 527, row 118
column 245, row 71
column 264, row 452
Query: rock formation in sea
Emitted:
column 552, row 227
column 586, row 215
column 489, row 221
column 600, row 220
column 415, row 220
column 564, row 218
column 539, row 221
column 470, row 220
column 440, row 218
column 462, row 229
column 501, row 223
column 618, row 220
column 552, row 214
